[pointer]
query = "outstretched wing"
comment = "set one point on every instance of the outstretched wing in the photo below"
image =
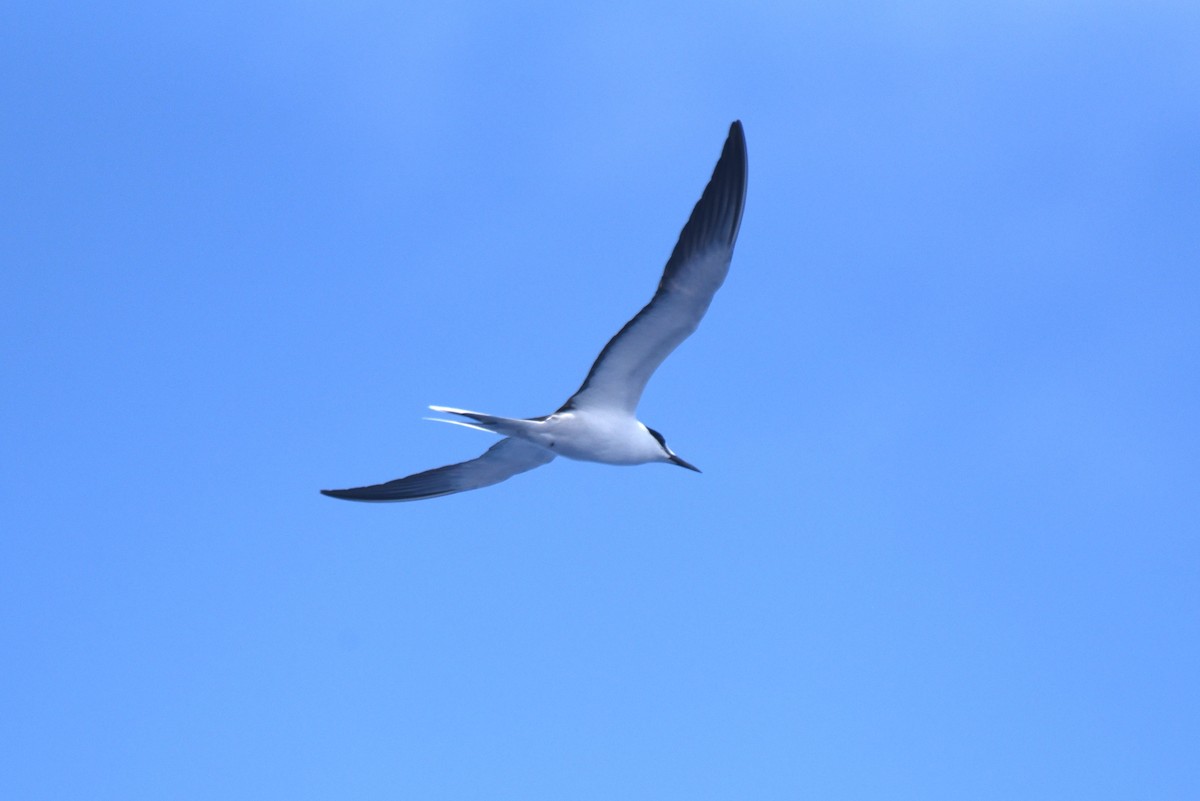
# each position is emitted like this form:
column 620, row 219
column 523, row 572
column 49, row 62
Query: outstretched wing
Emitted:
column 693, row 274
column 501, row 461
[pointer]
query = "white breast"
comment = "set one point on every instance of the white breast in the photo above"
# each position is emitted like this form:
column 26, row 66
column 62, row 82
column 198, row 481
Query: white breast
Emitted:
column 610, row 438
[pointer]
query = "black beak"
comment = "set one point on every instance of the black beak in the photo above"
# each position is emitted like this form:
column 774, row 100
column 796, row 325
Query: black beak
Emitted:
column 676, row 460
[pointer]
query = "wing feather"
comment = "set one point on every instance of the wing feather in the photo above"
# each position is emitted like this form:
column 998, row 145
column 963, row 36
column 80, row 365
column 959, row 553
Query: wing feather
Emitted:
column 505, row 459
column 695, row 271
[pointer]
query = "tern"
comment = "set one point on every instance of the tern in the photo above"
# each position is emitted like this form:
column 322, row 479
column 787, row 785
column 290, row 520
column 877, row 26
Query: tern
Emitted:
column 599, row 422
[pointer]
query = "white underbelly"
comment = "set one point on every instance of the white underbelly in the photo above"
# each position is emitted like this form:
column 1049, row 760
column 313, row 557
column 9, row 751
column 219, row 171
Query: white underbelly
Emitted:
column 620, row 442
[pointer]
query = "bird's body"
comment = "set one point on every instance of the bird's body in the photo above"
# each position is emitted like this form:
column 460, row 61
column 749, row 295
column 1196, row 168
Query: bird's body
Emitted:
column 599, row 422
column 609, row 436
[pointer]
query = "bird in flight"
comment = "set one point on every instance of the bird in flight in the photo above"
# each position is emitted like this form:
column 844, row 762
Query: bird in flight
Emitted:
column 599, row 422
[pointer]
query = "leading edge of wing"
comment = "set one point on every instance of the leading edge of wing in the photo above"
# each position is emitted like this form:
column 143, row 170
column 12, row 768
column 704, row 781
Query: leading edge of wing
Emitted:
column 693, row 274
column 505, row 459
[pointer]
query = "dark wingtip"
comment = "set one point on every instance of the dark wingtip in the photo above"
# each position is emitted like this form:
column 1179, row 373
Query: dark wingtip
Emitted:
column 356, row 494
column 736, row 139
column 717, row 216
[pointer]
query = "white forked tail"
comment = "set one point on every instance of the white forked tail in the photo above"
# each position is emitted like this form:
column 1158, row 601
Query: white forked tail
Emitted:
column 507, row 426
column 458, row 423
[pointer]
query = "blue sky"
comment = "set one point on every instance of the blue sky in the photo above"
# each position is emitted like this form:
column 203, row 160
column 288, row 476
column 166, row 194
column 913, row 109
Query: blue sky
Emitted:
column 945, row 544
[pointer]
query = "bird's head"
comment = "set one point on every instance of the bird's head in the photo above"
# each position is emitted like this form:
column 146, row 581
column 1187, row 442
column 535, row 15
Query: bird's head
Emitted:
column 669, row 455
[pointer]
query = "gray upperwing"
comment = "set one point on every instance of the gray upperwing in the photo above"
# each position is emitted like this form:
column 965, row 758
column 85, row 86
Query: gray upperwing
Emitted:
column 505, row 459
column 693, row 274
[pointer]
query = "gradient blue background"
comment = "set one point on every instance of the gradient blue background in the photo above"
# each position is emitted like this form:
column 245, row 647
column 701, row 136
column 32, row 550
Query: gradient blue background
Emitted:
column 946, row 544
